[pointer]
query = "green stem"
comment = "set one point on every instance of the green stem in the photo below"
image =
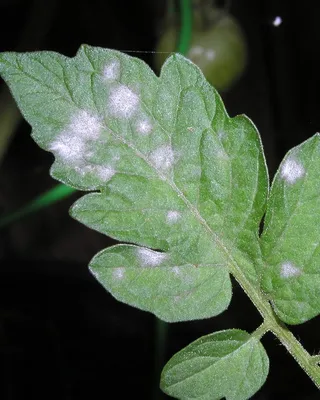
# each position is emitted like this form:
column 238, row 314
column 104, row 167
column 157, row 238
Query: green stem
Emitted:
column 186, row 26
column 271, row 321
column 59, row 192
column 307, row 362
column 260, row 331
column 161, row 335
column 279, row 329
column 298, row 352
column 316, row 359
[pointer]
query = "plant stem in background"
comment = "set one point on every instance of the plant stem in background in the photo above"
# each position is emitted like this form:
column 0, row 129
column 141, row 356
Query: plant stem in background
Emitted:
column 186, row 27
column 46, row 199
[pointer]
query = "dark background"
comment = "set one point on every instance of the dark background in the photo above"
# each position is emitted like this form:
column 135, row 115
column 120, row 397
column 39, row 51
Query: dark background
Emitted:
column 61, row 335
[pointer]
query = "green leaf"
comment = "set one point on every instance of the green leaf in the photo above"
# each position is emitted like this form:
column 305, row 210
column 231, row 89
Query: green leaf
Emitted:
column 291, row 236
column 174, row 173
column 151, row 281
column 228, row 364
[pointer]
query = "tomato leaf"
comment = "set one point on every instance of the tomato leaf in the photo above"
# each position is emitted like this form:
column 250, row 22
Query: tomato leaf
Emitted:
column 291, row 237
column 175, row 175
column 228, row 364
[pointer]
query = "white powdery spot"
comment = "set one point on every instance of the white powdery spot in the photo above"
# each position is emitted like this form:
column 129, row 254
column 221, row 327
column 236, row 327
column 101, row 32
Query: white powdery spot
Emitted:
column 151, row 258
column 69, row 147
column 173, row 216
column 111, row 71
column 118, row 273
column 288, row 270
column 176, row 270
column 221, row 135
column 104, row 172
column 210, row 54
column 277, row 21
column 123, row 102
column 144, row 126
column 196, row 51
column 291, row 171
column 85, row 125
column 162, row 158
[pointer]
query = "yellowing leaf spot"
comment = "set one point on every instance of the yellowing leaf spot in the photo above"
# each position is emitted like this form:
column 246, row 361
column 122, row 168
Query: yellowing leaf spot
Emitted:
column 291, row 171
column 288, row 270
column 150, row 258
column 123, row 102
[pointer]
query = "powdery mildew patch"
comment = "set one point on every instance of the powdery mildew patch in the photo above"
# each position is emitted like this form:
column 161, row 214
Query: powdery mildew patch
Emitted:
column 150, row 258
column 111, row 71
column 105, row 172
column 69, row 147
column 123, row 102
column 289, row 270
column 144, row 126
column 86, row 125
column 173, row 216
column 162, row 158
column 118, row 273
column 176, row 270
column 291, row 171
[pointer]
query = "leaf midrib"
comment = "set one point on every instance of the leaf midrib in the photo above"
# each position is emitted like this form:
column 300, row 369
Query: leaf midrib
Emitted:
column 256, row 296
column 215, row 363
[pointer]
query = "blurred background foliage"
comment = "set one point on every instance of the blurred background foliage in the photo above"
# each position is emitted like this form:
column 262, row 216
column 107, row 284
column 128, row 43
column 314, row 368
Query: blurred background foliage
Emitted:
column 61, row 335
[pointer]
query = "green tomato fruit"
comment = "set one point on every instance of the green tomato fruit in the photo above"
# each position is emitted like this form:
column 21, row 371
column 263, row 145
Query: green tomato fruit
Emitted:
column 220, row 50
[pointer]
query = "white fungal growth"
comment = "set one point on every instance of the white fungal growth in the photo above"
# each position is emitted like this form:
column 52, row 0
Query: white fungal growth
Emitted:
column 221, row 134
column 173, row 216
column 104, row 172
column 150, row 258
column 111, row 71
column 144, row 126
column 86, row 125
column 118, row 273
column 123, row 102
column 210, row 54
column 69, row 147
column 291, row 171
column 162, row 158
column 288, row 270
column 176, row 270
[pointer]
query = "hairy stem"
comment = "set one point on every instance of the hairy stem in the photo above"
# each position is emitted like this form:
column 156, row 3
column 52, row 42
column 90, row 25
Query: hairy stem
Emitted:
column 298, row 352
column 271, row 323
